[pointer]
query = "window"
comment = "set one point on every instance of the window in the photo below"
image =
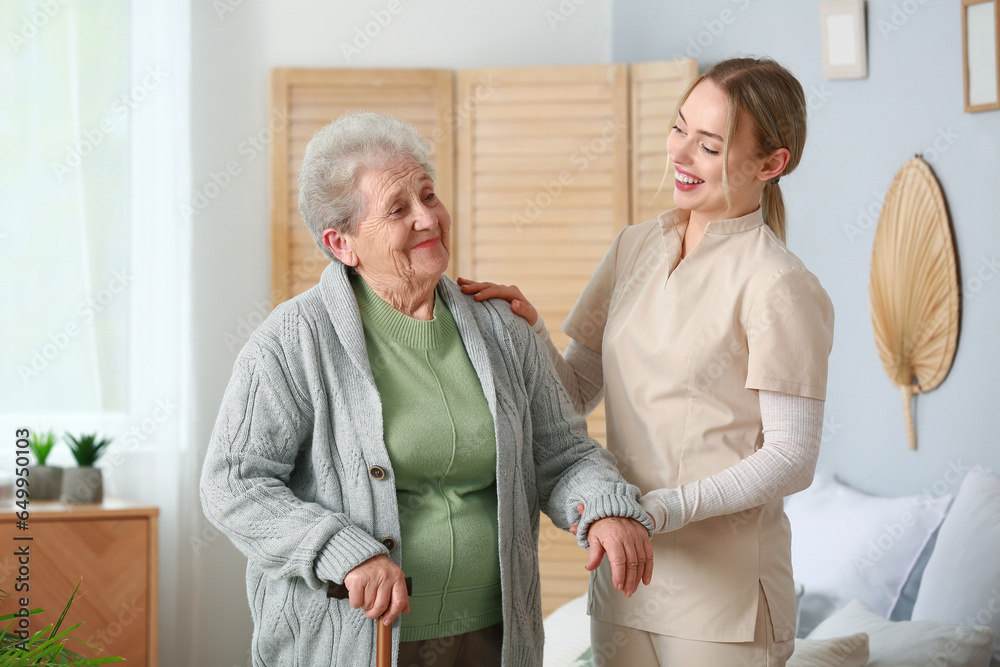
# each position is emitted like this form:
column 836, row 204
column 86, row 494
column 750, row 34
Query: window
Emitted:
column 94, row 258
column 65, row 269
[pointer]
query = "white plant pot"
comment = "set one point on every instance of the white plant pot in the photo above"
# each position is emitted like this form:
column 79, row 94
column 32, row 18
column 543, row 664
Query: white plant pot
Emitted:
column 82, row 485
column 44, row 482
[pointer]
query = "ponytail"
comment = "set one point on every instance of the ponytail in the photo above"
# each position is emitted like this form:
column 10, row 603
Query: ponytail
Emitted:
column 772, row 206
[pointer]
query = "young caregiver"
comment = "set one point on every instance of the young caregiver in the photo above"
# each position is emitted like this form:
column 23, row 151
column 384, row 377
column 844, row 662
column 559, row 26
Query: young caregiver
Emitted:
column 708, row 340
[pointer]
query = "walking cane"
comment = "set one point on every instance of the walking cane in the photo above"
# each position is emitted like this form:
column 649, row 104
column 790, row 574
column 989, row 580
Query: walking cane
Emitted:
column 383, row 639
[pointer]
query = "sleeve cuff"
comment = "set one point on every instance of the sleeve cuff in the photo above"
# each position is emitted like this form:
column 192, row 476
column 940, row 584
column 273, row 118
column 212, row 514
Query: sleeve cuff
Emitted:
column 666, row 508
column 786, row 387
column 539, row 327
column 622, row 504
column 350, row 547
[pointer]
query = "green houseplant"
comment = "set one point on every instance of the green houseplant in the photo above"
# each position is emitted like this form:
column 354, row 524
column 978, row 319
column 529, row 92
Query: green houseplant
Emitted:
column 45, row 647
column 84, row 484
column 44, row 481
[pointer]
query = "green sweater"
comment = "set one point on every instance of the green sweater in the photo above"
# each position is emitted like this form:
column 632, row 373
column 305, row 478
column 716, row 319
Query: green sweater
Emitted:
column 440, row 438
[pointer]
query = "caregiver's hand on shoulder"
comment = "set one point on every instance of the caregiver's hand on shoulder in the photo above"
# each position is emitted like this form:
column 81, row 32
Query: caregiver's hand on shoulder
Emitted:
column 630, row 553
column 379, row 587
column 509, row 293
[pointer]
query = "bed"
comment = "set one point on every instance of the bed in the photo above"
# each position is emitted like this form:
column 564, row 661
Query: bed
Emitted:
column 883, row 582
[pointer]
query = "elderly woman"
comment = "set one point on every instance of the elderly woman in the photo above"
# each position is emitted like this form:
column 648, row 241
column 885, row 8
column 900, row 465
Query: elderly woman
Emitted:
column 383, row 422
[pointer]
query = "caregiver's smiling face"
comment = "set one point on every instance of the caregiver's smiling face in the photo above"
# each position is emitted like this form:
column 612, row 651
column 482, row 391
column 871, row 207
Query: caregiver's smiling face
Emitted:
column 695, row 147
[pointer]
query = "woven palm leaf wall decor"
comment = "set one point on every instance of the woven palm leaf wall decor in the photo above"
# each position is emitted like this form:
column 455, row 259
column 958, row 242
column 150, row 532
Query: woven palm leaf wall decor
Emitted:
column 914, row 287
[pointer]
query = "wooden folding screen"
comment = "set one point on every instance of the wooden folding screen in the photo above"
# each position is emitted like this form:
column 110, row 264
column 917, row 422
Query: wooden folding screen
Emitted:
column 542, row 181
column 303, row 101
column 543, row 187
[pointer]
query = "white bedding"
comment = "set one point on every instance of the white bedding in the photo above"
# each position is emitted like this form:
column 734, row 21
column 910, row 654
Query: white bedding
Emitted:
column 567, row 634
column 843, row 640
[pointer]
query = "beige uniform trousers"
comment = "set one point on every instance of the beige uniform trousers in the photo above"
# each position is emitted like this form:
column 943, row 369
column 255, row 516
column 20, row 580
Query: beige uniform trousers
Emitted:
column 620, row 646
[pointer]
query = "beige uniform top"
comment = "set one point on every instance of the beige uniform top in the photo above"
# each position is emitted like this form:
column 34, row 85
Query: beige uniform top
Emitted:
column 685, row 344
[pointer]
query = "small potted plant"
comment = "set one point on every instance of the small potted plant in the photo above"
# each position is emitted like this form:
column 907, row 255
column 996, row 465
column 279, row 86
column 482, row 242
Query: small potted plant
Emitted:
column 84, row 484
column 44, row 481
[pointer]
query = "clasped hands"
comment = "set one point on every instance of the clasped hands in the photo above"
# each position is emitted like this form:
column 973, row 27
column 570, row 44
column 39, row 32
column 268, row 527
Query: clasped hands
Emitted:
column 626, row 543
column 378, row 585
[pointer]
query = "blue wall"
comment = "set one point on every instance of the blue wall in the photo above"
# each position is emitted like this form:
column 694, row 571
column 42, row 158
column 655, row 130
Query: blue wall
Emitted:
column 861, row 131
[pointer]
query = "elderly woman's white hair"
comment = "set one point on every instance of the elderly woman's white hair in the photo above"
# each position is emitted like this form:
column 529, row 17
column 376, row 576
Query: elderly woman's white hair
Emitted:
column 337, row 155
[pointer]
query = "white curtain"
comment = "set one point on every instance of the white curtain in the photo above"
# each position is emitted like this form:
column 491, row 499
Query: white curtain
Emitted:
column 95, row 258
column 64, row 236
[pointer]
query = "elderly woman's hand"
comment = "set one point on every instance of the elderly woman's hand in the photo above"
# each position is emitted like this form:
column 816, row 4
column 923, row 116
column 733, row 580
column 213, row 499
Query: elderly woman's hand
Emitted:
column 378, row 586
column 630, row 553
column 481, row 291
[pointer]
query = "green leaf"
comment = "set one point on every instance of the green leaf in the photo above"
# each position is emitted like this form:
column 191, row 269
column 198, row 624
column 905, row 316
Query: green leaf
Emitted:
column 87, row 448
column 62, row 616
column 41, row 445
column 7, row 617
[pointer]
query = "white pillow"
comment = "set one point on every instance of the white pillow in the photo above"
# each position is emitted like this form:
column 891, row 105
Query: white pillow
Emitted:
column 848, row 545
column 903, row 610
column 850, row 651
column 813, row 610
column 909, row 643
column 961, row 585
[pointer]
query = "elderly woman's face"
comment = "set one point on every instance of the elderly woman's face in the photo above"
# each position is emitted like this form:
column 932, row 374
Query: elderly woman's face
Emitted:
column 404, row 235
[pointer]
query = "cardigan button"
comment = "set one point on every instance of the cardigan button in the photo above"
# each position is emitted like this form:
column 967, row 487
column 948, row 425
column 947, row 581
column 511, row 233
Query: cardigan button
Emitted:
column 377, row 472
column 389, row 543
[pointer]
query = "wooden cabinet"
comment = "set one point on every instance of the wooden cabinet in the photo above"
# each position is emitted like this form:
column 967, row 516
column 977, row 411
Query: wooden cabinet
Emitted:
column 112, row 547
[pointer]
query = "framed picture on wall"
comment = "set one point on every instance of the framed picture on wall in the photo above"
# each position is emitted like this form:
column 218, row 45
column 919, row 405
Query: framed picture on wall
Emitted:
column 844, row 39
column 980, row 55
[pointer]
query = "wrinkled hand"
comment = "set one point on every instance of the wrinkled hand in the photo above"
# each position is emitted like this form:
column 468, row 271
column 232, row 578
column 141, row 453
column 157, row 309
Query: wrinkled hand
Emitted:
column 630, row 553
column 378, row 586
column 509, row 293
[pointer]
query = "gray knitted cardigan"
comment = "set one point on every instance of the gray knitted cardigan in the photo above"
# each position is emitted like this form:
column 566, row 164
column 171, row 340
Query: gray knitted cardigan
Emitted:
column 298, row 477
